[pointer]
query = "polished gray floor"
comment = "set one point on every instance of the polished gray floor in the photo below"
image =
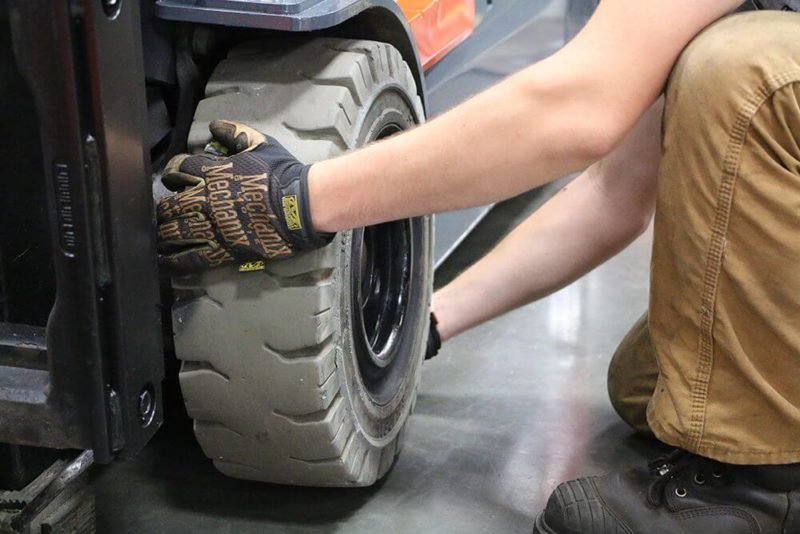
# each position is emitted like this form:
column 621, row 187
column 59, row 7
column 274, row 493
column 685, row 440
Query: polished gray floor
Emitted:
column 505, row 412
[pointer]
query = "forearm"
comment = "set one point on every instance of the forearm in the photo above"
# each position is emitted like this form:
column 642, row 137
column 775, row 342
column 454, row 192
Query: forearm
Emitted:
column 586, row 223
column 551, row 119
column 566, row 238
column 516, row 136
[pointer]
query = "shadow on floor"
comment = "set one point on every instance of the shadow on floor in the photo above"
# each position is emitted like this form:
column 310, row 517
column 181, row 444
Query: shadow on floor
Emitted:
column 172, row 477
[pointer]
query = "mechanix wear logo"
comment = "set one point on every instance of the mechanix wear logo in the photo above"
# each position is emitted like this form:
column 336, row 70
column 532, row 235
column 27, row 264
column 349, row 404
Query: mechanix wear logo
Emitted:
column 251, row 266
column 224, row 216
column 291, row 212
column 224, row 210
column 245, row 208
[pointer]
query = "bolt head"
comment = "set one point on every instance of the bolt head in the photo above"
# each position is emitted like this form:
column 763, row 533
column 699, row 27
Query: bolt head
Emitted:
column 111, row 8
column 147, row 406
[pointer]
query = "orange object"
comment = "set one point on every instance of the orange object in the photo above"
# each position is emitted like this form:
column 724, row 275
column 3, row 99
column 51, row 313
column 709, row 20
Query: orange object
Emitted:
column 438, row 25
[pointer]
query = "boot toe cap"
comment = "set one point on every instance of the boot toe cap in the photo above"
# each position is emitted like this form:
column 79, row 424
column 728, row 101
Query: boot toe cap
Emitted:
column 575, row 507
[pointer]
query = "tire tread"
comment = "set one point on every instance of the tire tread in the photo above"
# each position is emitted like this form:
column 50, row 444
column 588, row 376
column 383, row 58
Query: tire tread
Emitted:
column 298, row 429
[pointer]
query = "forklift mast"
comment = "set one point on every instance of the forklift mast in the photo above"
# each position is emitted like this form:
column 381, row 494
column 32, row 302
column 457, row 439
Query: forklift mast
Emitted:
column 81, row 350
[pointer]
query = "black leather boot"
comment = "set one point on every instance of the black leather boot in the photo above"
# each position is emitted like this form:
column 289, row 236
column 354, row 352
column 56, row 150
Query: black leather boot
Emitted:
column 679, row 493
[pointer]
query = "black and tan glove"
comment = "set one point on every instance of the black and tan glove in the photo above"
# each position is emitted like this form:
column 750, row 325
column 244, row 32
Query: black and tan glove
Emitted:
column 434, row 339
column 248, row 207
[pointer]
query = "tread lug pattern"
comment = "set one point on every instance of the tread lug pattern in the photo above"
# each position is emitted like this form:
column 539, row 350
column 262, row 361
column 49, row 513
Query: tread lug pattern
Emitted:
column 260, row 374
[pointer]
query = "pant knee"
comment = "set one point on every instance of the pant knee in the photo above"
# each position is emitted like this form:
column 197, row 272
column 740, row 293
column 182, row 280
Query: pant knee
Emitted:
column 731, row 58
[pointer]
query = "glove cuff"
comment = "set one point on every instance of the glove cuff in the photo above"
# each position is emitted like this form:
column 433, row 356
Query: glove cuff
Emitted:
column 294, row 209
column 434, row 339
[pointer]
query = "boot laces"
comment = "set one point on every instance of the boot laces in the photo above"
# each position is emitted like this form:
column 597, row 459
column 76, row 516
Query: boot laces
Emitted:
column 669, row 466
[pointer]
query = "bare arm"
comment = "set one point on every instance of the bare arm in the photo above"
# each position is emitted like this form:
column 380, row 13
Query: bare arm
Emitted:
column 553, row 118
column 586, row 223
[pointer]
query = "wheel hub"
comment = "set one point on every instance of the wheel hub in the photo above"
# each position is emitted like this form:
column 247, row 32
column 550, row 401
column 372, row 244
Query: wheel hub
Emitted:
column 383, row 266
column 382, row 293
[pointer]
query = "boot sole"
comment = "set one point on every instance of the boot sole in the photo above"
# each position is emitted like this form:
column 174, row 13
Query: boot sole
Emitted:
column 540, row 527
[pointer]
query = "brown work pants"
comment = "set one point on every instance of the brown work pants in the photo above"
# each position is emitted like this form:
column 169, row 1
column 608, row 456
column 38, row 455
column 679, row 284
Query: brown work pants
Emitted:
column 716, row 369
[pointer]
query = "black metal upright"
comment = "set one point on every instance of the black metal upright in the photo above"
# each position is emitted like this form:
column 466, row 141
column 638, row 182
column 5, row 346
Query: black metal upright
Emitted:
column 91, row 378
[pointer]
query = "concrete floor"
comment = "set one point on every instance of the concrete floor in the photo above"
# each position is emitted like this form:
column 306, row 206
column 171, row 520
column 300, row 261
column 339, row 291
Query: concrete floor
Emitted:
column 506, row 412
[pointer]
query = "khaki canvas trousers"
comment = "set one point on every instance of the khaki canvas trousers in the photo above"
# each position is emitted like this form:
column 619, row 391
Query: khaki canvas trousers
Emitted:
column 716, row 368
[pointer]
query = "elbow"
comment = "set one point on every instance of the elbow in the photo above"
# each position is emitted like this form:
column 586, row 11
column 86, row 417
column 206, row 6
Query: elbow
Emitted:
column 603, row 125
column 594, row 130
column 587, row 117
column 636, row 222
column 596, row 140
column 644, row 222
column 626, row 228
column 626, row 199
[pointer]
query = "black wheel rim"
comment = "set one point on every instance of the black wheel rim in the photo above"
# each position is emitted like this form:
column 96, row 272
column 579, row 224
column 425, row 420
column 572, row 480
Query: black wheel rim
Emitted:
column 383, row 263
column 382, row 293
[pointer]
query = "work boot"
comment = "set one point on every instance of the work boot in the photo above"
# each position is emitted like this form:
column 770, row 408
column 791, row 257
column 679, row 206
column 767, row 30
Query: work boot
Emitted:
column 679, row 493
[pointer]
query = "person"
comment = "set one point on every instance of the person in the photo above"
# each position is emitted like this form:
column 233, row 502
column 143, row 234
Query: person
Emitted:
column 679, row 107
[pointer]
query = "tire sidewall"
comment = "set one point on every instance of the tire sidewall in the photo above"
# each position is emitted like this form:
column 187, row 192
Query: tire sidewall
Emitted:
column 380, row 423
column 270, row 376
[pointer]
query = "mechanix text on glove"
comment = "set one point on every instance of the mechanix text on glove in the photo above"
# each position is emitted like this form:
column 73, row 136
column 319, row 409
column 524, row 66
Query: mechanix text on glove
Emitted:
column 247, row 207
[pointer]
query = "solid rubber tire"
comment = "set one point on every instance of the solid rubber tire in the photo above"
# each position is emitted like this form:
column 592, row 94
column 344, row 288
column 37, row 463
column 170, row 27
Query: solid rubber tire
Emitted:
column 268, row 373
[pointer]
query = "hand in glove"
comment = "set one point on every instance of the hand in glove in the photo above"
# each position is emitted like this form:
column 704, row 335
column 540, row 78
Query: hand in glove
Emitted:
column 434, row 339
column 250, row 206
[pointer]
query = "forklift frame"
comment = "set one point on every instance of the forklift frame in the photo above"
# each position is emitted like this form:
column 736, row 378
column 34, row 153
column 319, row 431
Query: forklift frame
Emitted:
column 92, row 378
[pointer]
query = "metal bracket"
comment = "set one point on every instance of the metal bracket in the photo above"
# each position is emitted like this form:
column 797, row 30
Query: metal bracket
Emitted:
column 289, row 15
column 58, row 500
column 83, row 66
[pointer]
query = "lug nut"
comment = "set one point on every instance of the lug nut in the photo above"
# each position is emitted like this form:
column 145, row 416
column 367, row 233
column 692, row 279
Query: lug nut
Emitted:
column 147, row 407
column 111, row 7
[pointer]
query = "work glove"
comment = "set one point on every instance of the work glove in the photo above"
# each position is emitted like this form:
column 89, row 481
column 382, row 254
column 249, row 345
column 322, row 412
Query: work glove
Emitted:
column 246, row 207
column 434, row 339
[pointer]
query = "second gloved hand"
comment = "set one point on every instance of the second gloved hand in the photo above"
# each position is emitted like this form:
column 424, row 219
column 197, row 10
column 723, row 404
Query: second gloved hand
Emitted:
column 250, row 206
column 434, row 339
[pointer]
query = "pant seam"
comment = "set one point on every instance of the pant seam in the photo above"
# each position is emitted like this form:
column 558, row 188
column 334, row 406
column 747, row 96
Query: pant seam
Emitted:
column 716, row 251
